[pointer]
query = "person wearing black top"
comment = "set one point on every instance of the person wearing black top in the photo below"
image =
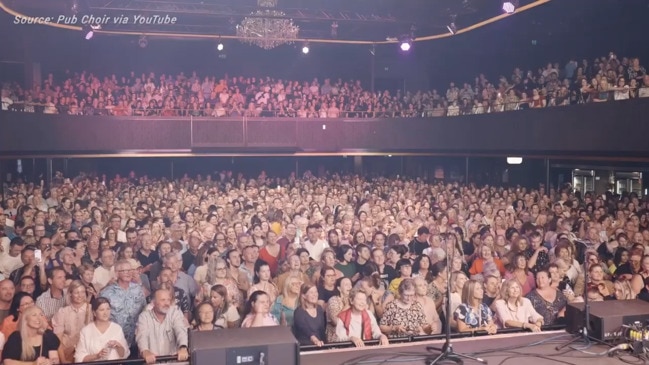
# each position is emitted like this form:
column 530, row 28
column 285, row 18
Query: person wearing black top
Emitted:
column 491, row 289
column 309, row 320
column 32, row 330
column 419, row 243
column 387, row 273
column 327, row 285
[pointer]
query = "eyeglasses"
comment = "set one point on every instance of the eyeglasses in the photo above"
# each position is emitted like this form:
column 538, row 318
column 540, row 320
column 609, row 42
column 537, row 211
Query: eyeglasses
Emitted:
column 221, row 268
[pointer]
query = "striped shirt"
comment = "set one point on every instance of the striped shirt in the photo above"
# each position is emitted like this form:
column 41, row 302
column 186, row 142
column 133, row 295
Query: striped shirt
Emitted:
column 50, row 305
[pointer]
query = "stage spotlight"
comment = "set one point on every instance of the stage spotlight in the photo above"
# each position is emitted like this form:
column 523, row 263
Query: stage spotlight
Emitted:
column 509, row 7
column 305, row 48
column 89, row 30
column 219, row 47
column 452, row 28
column 143, row 42
column 406, row 43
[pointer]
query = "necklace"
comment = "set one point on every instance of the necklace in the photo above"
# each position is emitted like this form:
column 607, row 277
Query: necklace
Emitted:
column 513, row 312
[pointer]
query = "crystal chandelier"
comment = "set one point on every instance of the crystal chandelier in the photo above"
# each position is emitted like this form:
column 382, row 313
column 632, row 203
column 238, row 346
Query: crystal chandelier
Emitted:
column 267, row 28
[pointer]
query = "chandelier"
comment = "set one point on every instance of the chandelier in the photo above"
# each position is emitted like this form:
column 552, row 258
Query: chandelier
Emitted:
column 267, row 28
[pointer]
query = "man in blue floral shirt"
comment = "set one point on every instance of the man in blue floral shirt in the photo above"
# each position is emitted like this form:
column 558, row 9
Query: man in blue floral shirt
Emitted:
column 127, row 300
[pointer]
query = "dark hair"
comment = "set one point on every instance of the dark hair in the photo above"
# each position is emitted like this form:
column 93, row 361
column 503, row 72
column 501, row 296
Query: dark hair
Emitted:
column 258, row 265
column 437, row 268
column 416, row 266
column 251, row 300
column 222, row 291
column 97, row 302
column 339, row 281
column 323, row 271
column 617, row 259
column 402, row 262
column 342, row 251
column 198, row 307
column 360, row 247
column 15, row 304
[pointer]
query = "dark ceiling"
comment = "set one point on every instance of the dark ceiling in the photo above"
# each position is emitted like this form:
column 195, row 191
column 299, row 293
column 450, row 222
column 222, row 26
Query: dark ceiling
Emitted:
column 372, row 20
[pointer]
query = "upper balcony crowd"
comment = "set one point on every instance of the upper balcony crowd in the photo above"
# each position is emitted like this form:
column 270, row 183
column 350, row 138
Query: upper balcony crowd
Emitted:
column 86, row 93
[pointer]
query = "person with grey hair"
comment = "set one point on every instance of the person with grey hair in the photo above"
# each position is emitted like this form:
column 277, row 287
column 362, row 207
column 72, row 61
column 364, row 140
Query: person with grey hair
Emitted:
column 173, row 261
column 127, row 300
column 161, row 330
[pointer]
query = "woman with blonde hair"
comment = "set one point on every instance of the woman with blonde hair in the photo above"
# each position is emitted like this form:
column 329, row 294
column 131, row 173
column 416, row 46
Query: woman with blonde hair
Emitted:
column 283, row 308
column 33, row 343
column 217, row 274
column 69, row 320
column 516, row 311
column 472, row 315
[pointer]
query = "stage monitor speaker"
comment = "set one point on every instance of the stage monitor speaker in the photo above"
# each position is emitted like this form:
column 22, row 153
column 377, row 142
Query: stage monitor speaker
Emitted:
column 273, row 345
column 607, row 317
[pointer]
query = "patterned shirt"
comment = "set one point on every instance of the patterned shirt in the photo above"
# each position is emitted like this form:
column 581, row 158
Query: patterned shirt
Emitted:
column 126, row 306
column 473, row 318
column 413, row 318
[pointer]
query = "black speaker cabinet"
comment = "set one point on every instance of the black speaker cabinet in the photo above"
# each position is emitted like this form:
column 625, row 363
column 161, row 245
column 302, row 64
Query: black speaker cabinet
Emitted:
column 274, row 345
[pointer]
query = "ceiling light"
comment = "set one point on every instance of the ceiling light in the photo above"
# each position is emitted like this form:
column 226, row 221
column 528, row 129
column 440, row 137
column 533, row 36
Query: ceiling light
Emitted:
column 219, row 47
column 143, row 42
column 509, row 7
column 305, row 48
column 514, row 160
column 405, row 46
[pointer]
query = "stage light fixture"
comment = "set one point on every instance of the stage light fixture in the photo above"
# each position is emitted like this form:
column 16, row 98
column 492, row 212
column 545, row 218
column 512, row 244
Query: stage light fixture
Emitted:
column 143, row 42
column 406, row 44
column 514, row 160
column 219, row 47
column 334, row 30
column 305, row 48
column 89, row 30
column 509, row 7
column 452, row 28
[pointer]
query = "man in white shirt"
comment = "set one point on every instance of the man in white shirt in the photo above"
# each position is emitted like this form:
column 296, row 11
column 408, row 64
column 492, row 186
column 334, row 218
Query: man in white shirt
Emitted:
column 161, row 330
column 104, row 274
column 10, row 255
column 314, row 245
column 116, row 224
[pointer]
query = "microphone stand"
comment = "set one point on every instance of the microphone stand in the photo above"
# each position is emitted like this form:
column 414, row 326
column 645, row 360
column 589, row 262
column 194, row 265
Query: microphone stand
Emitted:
column 584, row 334
column 446, row 352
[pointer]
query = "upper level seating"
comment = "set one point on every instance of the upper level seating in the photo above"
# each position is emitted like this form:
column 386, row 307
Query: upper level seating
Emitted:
column 85, row 93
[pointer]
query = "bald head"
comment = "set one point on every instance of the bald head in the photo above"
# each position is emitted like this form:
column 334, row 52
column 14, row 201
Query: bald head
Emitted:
column 7, row 291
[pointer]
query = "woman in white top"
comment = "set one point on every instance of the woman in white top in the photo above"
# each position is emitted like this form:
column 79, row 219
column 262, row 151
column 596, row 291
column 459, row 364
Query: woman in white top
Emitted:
column 101, row 339
column 516, row 311
column 69, row 320
column 458, row 278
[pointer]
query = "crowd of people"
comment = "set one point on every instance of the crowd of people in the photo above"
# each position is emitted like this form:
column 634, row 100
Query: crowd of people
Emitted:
column 97, row 269
column 86, row 93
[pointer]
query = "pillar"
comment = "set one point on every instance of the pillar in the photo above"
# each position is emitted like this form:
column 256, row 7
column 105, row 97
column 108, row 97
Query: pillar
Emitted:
column 358, row 165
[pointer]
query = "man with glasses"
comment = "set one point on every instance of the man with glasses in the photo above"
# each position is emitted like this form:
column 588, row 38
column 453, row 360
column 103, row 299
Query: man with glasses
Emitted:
column 127, row 300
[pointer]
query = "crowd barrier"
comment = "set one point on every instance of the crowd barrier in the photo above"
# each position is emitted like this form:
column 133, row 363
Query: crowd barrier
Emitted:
column 335, row 345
